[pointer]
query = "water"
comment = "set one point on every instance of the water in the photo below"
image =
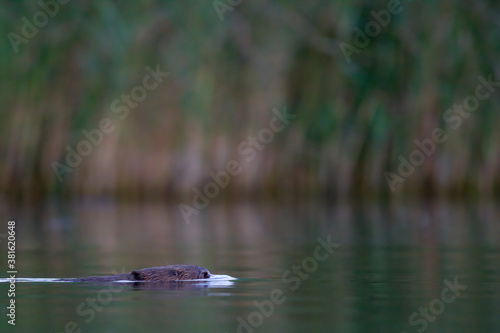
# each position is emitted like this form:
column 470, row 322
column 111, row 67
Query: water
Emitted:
column 383, row 270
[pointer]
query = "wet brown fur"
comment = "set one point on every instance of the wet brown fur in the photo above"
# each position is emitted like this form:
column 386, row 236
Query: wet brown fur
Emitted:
column 153, row 274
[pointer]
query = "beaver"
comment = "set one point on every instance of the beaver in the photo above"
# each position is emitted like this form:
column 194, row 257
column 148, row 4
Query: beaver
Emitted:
column 153, row 274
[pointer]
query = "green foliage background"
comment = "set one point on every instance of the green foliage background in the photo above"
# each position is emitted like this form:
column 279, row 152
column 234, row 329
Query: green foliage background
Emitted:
column 353, row 119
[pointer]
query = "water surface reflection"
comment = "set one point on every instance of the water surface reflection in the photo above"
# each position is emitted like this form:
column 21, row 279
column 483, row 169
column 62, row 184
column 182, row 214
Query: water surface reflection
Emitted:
column 392, row 261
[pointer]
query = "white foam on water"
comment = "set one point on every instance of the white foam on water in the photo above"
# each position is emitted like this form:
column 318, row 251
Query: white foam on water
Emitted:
column 221, row 277
column 213, row 280
column 217, row 281
column 34, row 280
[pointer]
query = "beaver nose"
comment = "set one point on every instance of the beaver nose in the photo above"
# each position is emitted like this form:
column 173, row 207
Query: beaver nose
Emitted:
column 203, row 273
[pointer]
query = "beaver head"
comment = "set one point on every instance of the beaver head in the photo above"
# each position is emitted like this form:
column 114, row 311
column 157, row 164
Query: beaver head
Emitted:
column 170, row 273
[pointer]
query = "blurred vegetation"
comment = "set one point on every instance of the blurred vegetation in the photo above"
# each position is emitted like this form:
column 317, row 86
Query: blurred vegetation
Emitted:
column 353, row 119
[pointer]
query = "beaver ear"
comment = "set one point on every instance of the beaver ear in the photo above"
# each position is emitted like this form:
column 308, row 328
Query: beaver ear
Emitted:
column 137, row 275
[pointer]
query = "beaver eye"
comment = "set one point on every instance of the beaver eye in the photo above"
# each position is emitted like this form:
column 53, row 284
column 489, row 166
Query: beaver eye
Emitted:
column 174, row 273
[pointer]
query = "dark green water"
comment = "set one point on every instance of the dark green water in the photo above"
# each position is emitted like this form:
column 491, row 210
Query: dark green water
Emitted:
column 390, row 264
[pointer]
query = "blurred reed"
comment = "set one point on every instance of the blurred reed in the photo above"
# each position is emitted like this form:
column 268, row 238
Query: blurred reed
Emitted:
column 353, row 120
